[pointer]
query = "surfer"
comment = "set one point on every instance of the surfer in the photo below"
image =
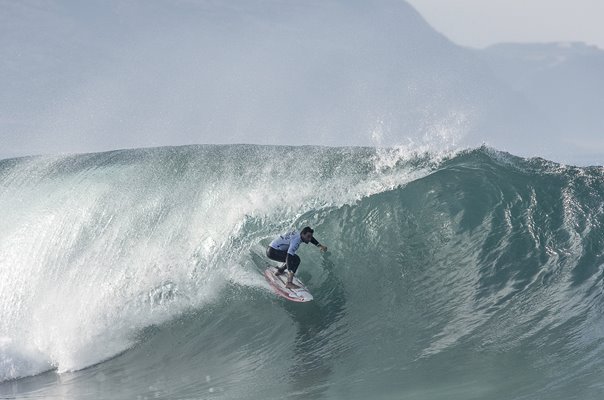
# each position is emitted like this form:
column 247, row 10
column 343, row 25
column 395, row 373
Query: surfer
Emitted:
column 284, row 248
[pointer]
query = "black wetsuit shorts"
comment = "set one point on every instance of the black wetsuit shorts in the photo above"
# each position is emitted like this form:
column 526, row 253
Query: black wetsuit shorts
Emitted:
column 283, row 256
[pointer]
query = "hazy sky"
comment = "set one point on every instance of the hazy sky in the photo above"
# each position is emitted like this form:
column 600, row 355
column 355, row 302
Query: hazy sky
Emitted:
column 108, row 74
column 479, row 23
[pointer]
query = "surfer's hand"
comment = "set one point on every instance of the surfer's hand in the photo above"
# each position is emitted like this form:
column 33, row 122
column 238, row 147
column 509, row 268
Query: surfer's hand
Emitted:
column 323, row 248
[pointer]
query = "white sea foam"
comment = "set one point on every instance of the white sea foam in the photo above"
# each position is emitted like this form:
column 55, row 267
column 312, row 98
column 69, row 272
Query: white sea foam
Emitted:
column 96, row 248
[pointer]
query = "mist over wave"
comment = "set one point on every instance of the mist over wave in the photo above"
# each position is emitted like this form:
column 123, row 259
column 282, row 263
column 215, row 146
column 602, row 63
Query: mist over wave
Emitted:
column 445, row 273
column 335, row 73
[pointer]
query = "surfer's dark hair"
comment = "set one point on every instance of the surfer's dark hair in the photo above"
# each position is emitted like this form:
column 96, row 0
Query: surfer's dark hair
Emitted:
column 306, row 230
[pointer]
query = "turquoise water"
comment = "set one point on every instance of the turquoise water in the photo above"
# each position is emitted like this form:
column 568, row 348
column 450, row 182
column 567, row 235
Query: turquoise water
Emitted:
column 138, row 274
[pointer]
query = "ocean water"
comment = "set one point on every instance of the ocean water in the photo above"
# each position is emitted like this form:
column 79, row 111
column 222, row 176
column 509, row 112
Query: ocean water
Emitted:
column 137, row 274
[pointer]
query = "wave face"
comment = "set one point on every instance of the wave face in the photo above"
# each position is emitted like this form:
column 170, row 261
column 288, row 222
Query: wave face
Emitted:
column 138, row 273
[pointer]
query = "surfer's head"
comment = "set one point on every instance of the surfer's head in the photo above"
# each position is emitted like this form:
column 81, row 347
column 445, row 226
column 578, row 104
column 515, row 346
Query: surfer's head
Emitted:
column 306, row 234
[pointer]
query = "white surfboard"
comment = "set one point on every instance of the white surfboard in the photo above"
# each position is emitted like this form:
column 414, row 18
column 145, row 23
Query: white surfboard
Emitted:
column 277, row 283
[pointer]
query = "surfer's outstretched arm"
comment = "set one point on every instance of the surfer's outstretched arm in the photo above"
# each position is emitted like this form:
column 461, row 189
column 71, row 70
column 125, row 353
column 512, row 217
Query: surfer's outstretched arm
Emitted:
column 319, row 245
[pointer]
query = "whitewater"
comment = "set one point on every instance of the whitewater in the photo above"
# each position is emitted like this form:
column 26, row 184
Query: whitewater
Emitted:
column 465, row 274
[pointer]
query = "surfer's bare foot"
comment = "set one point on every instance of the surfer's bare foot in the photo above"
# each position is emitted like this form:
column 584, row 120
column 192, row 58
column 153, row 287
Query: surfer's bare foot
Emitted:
column 279, row 272
column 291, row 285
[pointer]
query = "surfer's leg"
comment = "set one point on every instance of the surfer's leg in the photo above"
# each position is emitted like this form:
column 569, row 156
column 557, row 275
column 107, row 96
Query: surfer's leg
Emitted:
column 292, row 266
column 292, row 262
column 277, row 255
column 290, row 284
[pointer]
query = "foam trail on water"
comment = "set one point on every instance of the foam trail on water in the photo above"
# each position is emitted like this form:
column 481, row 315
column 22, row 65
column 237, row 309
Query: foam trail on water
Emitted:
column 17, row 361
